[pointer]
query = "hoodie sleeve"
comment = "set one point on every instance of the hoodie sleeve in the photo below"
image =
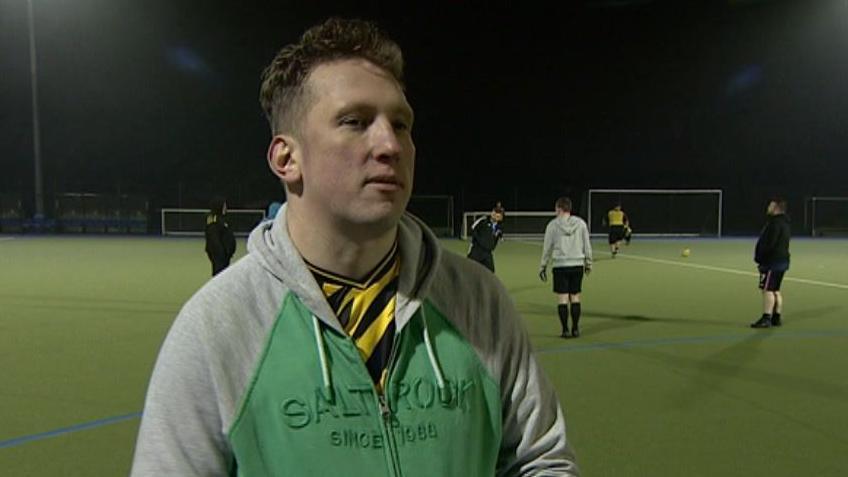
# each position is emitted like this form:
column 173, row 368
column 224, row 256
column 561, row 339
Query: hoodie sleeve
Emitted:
column 547, row 247
column 587, row 245
column 181, row 427
column 534, row 435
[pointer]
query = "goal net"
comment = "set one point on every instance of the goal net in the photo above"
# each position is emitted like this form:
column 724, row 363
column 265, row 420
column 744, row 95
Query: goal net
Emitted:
column 516, row 224
column 828, row 216
column 659, row 212
column 192, row 222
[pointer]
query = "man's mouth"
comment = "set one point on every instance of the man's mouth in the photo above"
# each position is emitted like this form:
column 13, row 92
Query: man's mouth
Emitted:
column 387, row 181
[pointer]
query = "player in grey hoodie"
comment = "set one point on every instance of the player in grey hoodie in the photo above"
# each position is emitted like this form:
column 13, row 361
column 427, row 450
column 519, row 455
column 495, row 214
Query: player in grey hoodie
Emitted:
column 567, row 246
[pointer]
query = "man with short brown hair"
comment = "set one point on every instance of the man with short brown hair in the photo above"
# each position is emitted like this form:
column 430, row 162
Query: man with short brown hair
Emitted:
column 347, row 342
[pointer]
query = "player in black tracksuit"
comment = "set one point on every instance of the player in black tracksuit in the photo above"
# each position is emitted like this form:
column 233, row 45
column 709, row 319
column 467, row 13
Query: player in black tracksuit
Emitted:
column 220, row 242
column 772, row 257
column 485, row 235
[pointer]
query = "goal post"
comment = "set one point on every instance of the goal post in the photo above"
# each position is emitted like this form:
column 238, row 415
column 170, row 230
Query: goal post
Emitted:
column 192, row 222
column 659, row 212
column 828, row 216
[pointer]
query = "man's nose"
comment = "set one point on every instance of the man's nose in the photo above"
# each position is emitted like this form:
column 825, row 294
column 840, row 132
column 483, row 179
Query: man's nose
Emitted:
column 386, row 144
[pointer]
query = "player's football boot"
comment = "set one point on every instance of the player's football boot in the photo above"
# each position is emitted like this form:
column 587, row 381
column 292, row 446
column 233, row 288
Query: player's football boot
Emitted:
column 764, row 322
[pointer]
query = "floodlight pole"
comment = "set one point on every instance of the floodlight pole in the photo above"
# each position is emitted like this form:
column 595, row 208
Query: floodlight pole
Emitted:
column 36, row 125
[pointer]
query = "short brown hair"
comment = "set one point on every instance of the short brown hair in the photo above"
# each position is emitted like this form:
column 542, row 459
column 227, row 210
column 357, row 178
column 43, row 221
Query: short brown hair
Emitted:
column 564, row 203
column 282, row 93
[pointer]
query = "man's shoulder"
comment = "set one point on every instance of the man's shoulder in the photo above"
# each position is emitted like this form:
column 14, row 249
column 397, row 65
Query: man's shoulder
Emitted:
column 480, row 221
column 576, row 219
column 469, row 294
column 458, row 276
column 240, row 289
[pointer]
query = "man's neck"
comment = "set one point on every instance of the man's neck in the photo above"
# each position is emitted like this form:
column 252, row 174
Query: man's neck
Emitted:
column 338, row 251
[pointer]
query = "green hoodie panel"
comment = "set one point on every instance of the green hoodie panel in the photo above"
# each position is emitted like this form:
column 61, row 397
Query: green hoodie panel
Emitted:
column 289, row 425
column 443, row 434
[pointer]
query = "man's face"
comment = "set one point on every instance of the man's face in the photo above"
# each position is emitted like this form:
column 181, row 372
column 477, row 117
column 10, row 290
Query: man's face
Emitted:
column 357, row 155
column 772, row 208
column 497, row 217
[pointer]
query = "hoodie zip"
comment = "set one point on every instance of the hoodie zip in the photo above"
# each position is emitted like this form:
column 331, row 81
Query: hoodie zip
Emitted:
column 386, row 412
column 381, row 397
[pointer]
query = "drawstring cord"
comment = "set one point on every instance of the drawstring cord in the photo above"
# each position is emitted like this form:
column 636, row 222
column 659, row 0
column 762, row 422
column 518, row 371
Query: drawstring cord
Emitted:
column 444, row 392
column 322, row 356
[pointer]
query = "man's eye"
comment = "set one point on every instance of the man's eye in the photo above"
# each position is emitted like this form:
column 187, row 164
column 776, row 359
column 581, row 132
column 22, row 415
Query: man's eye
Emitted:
column 400, row 126
column 352, row 121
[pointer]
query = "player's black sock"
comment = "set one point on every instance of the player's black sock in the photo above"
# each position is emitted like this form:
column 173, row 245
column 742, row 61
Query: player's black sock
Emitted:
column 775, row 319
column 575, row 315
column 563, row 317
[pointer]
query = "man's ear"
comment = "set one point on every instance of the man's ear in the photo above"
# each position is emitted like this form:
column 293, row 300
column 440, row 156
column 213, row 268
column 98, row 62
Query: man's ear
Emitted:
column 284, row 160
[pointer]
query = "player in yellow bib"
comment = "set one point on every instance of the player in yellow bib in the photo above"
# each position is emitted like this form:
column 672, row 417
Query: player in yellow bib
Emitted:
column 618, row 222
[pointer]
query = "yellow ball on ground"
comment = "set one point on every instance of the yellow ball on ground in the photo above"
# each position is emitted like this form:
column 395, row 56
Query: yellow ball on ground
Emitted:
column 686, row 252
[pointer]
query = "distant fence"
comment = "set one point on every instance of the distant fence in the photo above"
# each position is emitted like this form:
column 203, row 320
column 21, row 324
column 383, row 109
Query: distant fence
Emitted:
column 99, row 213
column 79, row 212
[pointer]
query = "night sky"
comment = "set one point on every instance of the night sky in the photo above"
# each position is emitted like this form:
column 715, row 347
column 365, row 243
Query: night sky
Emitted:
column 522, row 103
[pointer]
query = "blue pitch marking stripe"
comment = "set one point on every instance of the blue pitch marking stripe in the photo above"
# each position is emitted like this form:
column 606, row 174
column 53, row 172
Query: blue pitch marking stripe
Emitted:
column 67, row 430
column 691, row 340
column 558, row 349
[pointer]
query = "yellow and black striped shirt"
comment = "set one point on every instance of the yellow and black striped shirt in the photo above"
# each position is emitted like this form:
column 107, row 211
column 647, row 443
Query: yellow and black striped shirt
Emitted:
column 366, row 309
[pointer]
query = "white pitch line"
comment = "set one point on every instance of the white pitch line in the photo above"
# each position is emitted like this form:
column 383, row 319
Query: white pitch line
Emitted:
column 839, row 286
column 730, row 270
column 6, row 238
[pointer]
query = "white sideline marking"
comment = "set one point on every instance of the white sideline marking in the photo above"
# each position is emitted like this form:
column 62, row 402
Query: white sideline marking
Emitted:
column 720, row 269
column 6, row 238
column 730, row 270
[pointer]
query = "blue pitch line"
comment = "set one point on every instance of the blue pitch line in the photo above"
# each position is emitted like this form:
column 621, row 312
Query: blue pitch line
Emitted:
column 558, row 349
column 690, row 340
column 67, row 430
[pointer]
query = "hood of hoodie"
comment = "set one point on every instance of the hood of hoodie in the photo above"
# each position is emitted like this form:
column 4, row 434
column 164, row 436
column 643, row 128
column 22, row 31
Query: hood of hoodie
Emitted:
column 568, row 224
column 270, row 244
column 782, row 217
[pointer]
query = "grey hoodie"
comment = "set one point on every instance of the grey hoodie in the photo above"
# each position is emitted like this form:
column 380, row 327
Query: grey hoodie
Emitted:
column 567, row 243
column 218, row 345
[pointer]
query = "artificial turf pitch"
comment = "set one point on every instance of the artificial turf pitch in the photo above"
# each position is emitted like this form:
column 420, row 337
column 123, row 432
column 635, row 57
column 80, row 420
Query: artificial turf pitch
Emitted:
column 667, row 379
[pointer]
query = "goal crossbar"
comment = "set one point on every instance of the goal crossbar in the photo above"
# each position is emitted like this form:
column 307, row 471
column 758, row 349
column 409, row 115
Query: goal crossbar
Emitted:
column 241, row 221
column 522, row 224
column 623, row 193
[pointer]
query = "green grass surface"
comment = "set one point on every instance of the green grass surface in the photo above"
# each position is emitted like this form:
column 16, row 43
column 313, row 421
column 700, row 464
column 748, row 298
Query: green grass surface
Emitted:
column 667, row 379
